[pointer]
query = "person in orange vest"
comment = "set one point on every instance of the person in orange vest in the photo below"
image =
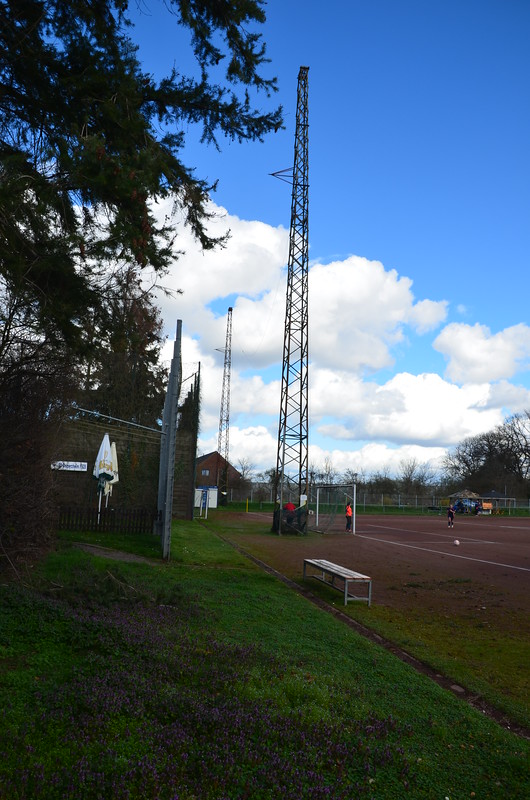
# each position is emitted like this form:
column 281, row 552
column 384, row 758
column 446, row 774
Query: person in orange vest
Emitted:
column 349, row 515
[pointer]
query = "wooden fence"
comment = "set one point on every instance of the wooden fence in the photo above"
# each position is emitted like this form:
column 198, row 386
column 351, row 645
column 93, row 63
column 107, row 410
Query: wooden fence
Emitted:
column 115, row 520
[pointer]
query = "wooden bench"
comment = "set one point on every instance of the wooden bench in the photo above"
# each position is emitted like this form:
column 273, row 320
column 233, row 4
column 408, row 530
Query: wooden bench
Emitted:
column 328, row 573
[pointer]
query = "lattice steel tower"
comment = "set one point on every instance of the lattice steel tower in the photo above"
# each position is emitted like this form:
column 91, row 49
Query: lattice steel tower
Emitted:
column 224, row 417
column 293, row 428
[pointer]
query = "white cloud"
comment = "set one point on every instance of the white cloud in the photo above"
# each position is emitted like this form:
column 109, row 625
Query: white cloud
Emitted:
column 257, row 333
column 250, row 266
column 258, row 446
column 252, row 397
column 361, row 318
column 376, row 457
column 419, row 409
column 475, row 355
column 358, row 311
column 363, row 426
column 255, row 444
column 514, row 399
column 427, row 315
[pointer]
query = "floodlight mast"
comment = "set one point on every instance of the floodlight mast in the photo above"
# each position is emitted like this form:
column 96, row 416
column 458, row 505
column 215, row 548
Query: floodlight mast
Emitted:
column 224, row 417
column 292, row 455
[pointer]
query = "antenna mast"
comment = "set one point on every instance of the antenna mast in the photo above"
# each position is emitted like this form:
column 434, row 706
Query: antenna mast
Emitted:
column 293, row 426
column 224, row 417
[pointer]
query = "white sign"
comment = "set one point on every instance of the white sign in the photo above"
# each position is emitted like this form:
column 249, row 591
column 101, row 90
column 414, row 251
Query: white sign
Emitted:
column 206, row 495
column 70, row 466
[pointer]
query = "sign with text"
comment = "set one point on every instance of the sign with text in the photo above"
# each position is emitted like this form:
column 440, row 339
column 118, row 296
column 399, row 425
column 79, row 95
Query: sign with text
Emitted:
column 70, row 466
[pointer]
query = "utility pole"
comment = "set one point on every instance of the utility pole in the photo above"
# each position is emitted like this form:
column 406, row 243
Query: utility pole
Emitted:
column 166, row 471
column 292, row 454
column 224, row 418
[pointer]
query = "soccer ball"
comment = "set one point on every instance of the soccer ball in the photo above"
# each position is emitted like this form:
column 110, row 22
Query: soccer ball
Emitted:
column 457, row 542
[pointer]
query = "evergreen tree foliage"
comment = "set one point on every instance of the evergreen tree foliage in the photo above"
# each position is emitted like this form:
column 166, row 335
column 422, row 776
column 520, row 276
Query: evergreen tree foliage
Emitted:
column 36, row 382
column 122, row 376
column 88, row 140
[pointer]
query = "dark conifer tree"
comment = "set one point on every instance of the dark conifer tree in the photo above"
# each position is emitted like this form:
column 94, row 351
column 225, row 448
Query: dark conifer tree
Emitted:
column 88, row 139
column 122, row 376
column 88, row 142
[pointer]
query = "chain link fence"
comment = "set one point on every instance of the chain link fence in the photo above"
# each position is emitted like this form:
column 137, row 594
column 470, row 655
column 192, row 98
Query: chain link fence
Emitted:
column 332, row 501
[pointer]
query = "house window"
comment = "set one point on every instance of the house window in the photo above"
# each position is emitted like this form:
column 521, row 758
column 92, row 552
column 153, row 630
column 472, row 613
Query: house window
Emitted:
column 205, row 472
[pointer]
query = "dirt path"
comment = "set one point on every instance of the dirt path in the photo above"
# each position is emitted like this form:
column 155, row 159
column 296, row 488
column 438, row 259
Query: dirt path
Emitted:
column 115, row 555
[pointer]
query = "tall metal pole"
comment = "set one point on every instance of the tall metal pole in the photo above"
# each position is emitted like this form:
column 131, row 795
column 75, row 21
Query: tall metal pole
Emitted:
column 168, row 446
column 354, row 503
column 292, row 456
column 223, row 446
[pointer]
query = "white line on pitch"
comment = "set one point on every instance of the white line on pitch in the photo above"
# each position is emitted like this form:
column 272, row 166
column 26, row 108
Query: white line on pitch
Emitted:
column 430, row 533
column 515, row 527
column 442, row 553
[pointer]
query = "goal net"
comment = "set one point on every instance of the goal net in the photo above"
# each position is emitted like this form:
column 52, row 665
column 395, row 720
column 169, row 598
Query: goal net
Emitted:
column 327, row 508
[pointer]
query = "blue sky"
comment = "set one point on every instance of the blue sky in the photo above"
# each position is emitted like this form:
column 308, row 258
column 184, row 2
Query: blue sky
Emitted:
column 419, row 229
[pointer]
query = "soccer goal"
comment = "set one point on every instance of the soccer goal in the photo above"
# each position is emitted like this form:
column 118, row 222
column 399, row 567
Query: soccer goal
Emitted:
column 327, row 508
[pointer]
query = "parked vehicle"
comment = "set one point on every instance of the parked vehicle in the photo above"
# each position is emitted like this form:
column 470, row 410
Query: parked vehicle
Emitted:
column 467, row 506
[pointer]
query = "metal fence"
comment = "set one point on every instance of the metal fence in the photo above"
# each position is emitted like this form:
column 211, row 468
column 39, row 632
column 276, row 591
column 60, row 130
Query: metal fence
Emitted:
column 115, row 520
column 334, row 498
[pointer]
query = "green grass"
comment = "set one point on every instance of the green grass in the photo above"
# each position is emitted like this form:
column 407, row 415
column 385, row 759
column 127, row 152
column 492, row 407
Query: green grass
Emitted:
column 208, row 678
column 493, row 668
column 482, row 656
column 145, row 544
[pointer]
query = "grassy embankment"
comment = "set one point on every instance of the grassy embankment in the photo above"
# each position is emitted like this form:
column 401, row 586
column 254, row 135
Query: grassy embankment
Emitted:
column 207, row 678
column 485, row 657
